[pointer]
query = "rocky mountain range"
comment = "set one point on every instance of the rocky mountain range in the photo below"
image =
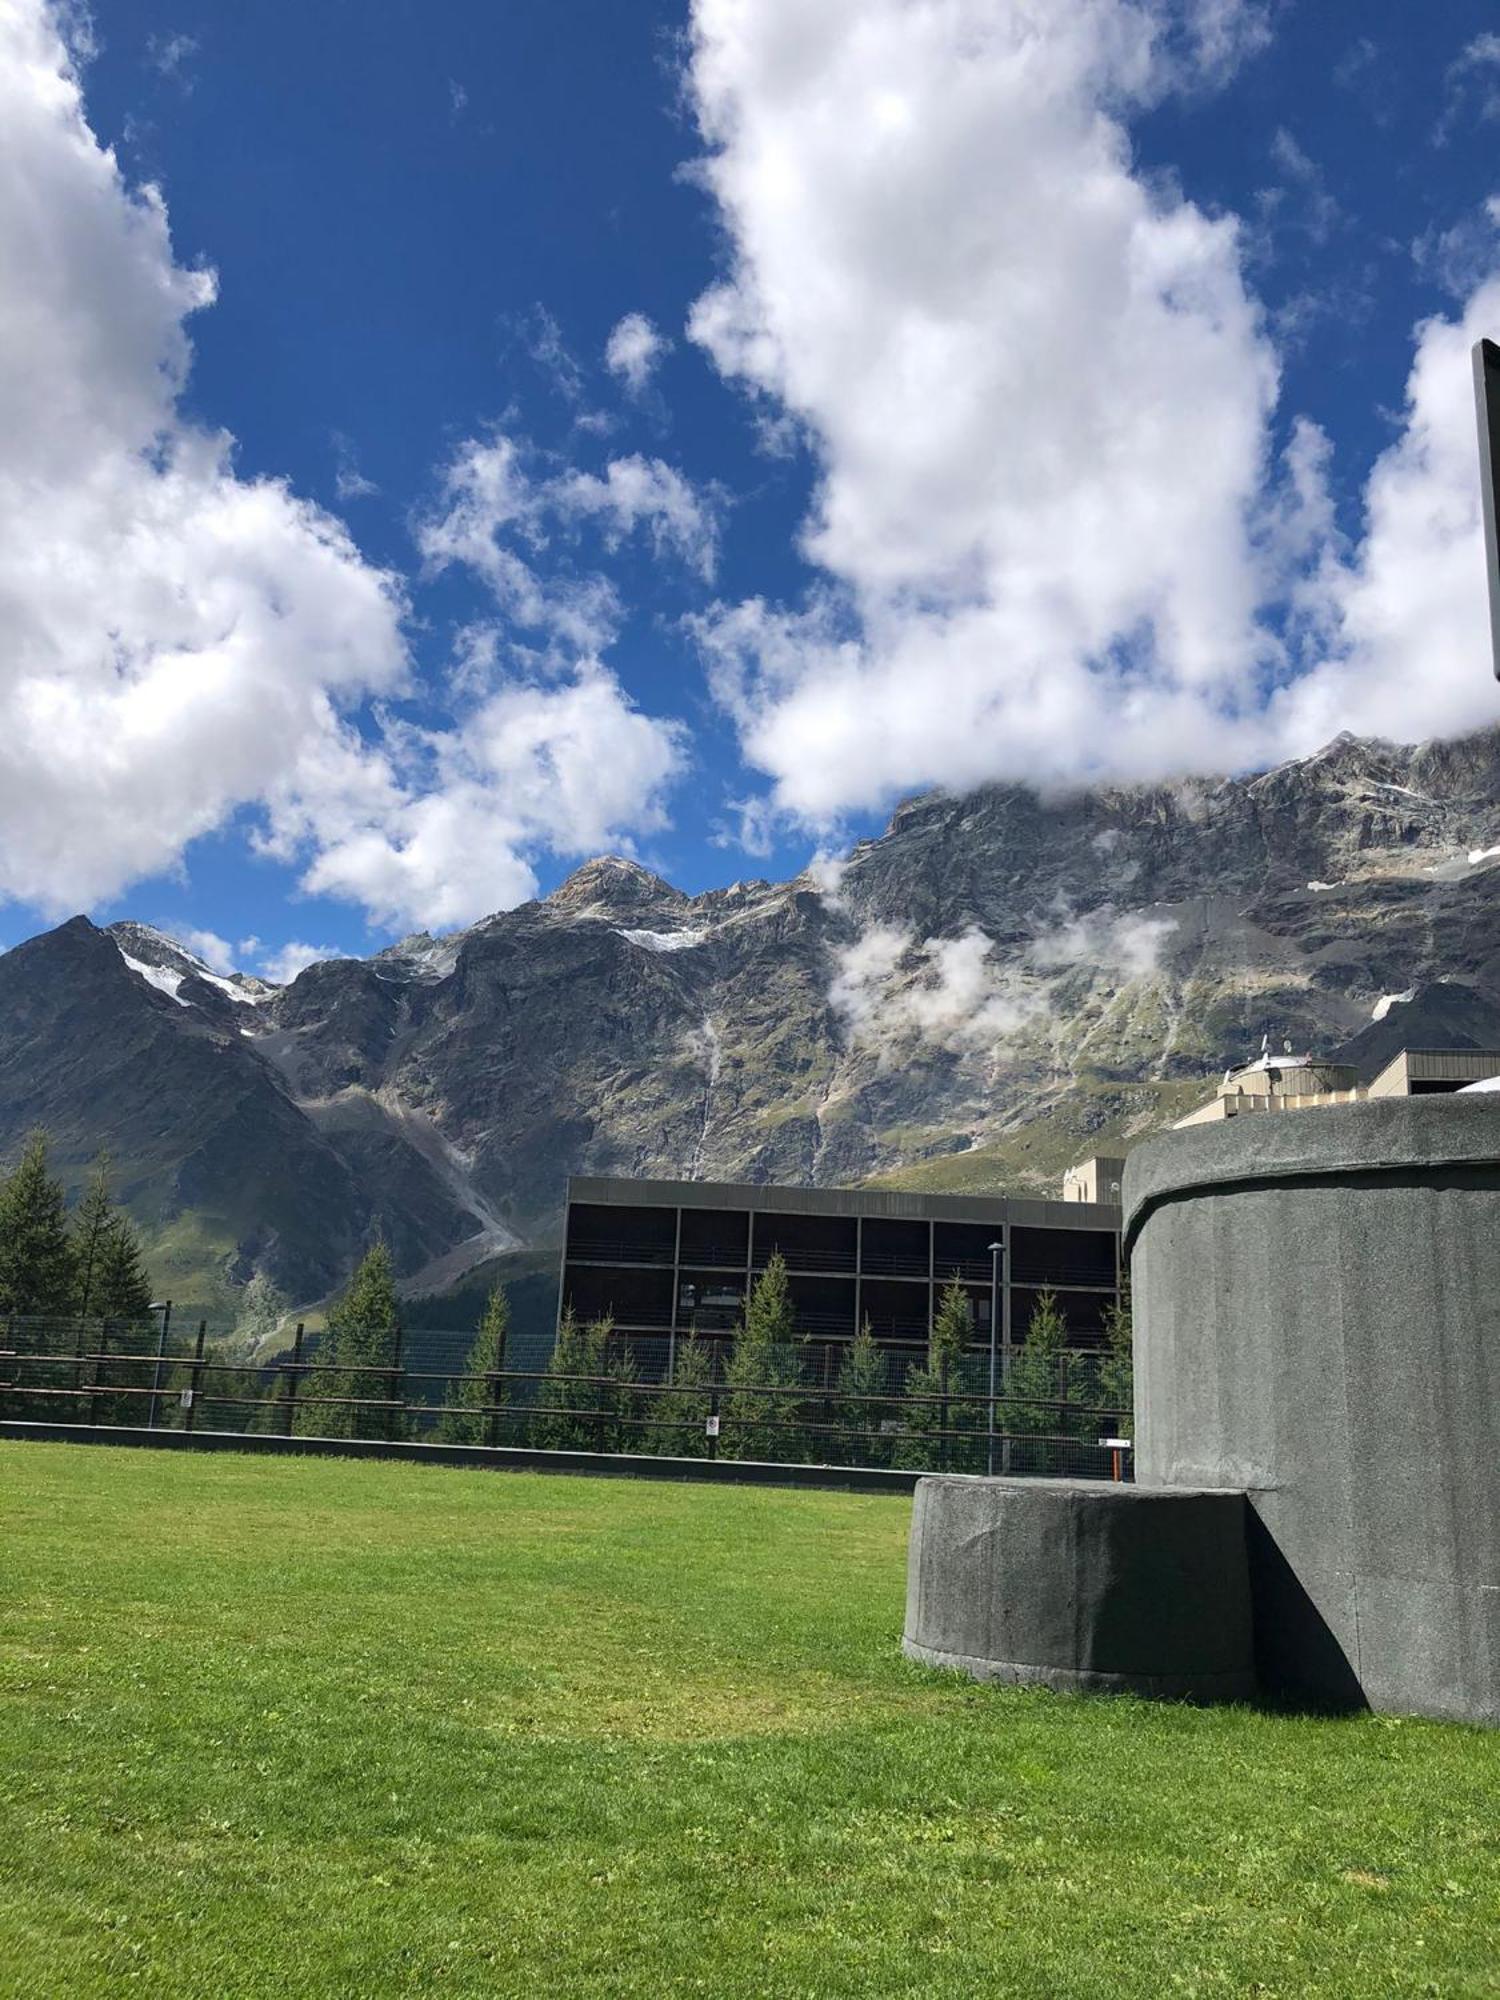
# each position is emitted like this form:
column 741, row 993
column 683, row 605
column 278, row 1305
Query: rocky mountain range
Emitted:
column 1000, row 983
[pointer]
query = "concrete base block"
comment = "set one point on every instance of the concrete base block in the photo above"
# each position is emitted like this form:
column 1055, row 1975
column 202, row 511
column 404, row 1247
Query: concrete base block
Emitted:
column 1074, row 1584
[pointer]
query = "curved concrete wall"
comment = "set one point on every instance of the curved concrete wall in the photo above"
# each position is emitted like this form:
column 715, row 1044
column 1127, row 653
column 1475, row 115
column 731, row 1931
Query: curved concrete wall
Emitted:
column 1317, row 1323
column 1079, row 1585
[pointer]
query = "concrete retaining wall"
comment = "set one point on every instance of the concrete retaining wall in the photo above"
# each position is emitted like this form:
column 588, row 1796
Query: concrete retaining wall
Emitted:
column 1317, row 1323
column 1079, row 1585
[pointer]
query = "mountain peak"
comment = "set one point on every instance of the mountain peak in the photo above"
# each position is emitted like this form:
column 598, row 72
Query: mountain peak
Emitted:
column 612, row 884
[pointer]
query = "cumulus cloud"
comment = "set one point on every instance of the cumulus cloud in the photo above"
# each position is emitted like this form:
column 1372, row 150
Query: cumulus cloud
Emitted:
column 179, row 642
column 634, row 350
column 892, row 989
column 948, row 992
column 217, row 953
column 166, row 626
column 281, row 967
column 1054, row 540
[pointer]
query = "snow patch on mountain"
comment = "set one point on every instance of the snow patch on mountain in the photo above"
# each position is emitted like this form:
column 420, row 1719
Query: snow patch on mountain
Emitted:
column 157, row 976
column 664, row 940
column 1387, row 1001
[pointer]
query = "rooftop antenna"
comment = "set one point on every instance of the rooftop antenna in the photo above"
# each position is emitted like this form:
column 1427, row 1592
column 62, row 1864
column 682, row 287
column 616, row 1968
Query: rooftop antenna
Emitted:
column 1487, row 404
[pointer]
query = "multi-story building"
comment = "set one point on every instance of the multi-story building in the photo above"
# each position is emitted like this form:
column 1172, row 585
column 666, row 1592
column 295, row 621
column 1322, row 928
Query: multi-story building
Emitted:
column 665, row 1257
column 1303, row 1083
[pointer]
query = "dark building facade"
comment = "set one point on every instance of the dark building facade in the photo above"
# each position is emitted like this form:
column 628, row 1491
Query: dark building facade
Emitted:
column 663, row 1258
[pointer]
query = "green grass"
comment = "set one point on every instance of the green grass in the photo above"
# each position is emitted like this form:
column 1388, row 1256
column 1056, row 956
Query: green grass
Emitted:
column 318, row 1728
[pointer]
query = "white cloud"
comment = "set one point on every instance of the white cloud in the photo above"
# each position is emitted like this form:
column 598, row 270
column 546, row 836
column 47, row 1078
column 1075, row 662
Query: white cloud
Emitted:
column 498, row 512
column 440, row 830
column 170, row 55
column 636, row 492
column 634, row 351
column 1127, row 945
column 1406, row 615
column 282, row 966
column 167, row 628
column 178, row 642
column 1055, row 543
column 216, row 953
column 349, row 483
column 948, row 992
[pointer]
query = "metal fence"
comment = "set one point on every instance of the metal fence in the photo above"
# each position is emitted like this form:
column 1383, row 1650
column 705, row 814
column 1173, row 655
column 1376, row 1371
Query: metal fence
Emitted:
column 813, row 1407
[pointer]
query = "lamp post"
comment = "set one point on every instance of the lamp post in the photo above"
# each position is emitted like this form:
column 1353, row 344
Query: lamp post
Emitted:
column 995, row 1250
column 164, row 1307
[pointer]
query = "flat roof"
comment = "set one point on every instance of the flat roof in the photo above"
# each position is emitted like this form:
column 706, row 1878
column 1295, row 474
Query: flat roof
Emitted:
column 894, row 1203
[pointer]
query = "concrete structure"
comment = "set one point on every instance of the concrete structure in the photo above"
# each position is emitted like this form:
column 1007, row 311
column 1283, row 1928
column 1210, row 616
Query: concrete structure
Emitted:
column 1078, row 1585
column 667, row 1257
column 1317, row 1324
column 1301, row 1083
column 1096, row 1180
column 1278, row 1083
column 1434, row 1072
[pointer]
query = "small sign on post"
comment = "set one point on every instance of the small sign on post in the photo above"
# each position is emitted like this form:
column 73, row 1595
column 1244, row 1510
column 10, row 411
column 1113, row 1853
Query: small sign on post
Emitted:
column 186, row 1399
column 1117, row 1448
column 711, row 1426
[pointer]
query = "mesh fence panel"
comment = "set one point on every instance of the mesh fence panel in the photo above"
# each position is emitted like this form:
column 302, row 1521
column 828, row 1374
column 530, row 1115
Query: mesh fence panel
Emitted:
column 815, row 1404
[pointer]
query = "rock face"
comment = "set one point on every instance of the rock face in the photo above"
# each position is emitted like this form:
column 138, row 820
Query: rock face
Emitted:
column 1000, row 982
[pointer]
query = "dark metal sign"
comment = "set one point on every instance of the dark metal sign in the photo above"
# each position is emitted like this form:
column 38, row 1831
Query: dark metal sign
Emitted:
column 1487, row 399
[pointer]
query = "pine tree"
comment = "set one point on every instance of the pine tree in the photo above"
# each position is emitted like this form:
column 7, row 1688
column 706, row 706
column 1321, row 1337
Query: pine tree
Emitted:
column 1117, row 1371
column 764, row 1357
column 861, row 1374
column 91, row 1225
column 37, row 1273
column 952, row 1328
column 919, row 1445
column 620, row 1396
column 680, row 1416
column 122, row 1288
column 567, row 1419
column 360, row 1343
column 1034, row 1380
column 467, row 1423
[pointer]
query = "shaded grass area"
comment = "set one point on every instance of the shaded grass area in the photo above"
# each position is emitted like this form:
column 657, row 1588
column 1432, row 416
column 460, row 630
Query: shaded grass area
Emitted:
column 331, row 1728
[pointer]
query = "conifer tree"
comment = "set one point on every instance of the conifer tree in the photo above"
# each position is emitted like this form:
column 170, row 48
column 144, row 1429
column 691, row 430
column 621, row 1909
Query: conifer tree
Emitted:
column 37, row 1272
column 1117, row 1370
column 861, row 1374
column 361, row 1339
column 122, row 1287
column 1034, row 1379
column 764, row 1357
column 680, row 1426
column 91, row 1226
column 467, row 1423
column 567, row 1421
column 952, row 1327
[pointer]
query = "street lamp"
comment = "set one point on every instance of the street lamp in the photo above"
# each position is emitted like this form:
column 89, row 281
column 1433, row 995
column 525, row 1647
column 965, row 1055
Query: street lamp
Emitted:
column 995, row 1250
column 164, row 1307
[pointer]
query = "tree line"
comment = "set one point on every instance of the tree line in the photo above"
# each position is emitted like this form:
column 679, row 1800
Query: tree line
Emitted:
column 592, row 1397
column 52, row 1265
column 932, row 1413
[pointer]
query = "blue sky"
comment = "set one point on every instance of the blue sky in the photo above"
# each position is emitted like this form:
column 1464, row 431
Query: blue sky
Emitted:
column 425, row 224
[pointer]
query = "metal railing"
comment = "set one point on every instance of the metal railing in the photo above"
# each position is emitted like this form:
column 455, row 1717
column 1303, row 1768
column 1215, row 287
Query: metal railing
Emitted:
column 676, row 1398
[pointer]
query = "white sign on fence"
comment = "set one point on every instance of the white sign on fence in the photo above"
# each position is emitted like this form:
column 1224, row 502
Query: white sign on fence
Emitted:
column 186, row 1399
column 711, row 1427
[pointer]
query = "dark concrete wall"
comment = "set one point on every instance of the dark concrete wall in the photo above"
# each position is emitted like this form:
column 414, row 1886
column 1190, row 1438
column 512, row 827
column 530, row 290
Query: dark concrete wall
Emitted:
column 1080, row 1585
column 1317, row 1322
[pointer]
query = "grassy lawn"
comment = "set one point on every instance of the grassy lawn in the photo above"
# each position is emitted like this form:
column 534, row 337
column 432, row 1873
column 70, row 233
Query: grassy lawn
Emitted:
column 317, row 1728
